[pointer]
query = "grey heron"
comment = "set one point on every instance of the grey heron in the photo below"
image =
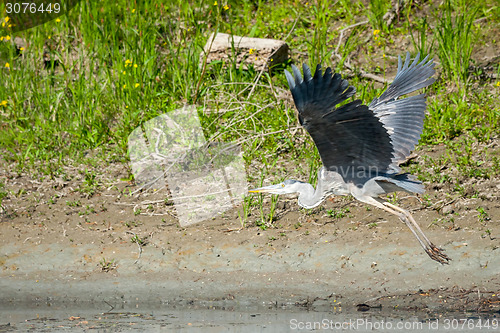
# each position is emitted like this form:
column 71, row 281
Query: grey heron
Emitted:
column 362, row 146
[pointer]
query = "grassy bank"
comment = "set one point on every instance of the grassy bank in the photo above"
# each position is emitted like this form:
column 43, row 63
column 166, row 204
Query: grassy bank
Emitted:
column 83, row 82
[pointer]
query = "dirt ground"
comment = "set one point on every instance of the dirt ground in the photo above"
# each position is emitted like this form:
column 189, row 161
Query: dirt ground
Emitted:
column 88, row 235
column 63, row 242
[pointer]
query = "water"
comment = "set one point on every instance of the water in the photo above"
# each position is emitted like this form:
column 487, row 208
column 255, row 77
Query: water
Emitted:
column 146, row 318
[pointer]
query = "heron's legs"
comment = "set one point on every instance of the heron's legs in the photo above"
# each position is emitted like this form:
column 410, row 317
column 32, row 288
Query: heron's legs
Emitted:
column 412, row 220
column 432, row 250
column 404, row 217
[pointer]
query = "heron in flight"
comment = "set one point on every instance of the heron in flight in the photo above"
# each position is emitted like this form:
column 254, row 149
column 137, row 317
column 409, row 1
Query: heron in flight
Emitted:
column 362, row 146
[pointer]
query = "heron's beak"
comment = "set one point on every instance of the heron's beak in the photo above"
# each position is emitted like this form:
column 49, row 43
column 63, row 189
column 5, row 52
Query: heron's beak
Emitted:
column 267, row 189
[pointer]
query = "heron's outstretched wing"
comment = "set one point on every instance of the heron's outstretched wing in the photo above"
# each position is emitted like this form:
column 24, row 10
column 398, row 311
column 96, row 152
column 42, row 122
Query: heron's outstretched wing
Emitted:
column 350, row 138
column 404, row 118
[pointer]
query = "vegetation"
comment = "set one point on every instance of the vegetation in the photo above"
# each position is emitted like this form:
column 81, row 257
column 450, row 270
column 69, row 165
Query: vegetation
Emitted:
column 83, row 82
column 107, row 265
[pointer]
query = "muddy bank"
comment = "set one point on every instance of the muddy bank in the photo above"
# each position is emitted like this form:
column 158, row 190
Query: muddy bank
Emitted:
column 61, row 243
column 315, row 273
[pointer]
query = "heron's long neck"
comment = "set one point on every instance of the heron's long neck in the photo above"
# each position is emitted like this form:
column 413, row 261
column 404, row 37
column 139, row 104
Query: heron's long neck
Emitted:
column 309, row 197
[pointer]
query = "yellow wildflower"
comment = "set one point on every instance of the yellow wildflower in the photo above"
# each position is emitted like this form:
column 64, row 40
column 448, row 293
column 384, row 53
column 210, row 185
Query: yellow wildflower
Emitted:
column 3, row 24
column 58, row 20
column 135, row 65
column 133, row 10
column 7, row 37
column 251, row 51
column 498, row 84
column 137, row 85
column 124, row 86
column 376, row 32
column 7, row 65
column 7, row 19
column 3, row 103
column 215, row 3
column 226, row 7
column 21, row 49
column 124, row 72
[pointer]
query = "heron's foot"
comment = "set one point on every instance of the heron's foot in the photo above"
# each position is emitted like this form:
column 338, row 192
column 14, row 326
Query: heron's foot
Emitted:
column 437, row 254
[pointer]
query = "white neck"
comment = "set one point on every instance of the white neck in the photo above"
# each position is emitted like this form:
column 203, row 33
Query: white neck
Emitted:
column 309, row 197
column 329, row 182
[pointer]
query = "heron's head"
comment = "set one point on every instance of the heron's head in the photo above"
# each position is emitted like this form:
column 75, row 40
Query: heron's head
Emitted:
column 288, row 186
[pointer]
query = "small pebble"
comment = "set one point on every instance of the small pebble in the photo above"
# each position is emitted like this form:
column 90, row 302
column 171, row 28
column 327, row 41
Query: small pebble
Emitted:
column 447, row 210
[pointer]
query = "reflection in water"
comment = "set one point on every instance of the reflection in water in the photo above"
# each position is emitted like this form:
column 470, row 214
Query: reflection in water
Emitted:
column 103, row 318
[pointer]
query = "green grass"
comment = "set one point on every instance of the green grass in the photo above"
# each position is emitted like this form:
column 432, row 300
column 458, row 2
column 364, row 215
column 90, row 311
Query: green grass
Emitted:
column 141, row 241
column 420, row 37
column 455, row 39
column 377, row 10
column 3, row 192
column 107, row 265
column 121, row 63
column 338, row 213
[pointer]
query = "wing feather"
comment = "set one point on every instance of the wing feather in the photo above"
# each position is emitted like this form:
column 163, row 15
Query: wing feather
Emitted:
column 404, row 118
column 350, row 138
column 356, row 137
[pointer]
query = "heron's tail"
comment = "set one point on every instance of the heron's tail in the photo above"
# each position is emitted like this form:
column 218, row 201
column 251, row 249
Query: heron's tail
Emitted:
column 401, row 182
column 410, row 183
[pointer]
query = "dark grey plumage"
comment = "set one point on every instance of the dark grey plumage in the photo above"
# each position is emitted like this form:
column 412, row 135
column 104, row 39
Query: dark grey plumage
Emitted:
column 344, row 135
column 355, row 136
column 362, row 146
